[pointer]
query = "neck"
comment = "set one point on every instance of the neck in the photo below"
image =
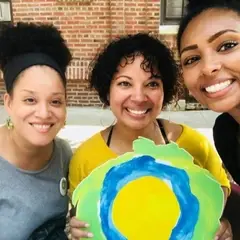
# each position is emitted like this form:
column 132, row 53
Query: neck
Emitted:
column 129, row 135
column 235, row 113
column 26, row 156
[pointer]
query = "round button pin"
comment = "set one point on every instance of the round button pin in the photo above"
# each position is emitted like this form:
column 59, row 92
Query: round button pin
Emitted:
column 63, row 186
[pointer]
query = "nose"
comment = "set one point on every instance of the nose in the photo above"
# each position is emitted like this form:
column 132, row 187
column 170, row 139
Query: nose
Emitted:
column 42, row 111
column 138, row 94
column 211, row 66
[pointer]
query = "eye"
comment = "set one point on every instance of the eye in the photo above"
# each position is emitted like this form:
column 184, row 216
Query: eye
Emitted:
column 29, row 100
column 57, row 102
column 191, row 60
column 124, row 84
column 227, row 46
column 153, row 84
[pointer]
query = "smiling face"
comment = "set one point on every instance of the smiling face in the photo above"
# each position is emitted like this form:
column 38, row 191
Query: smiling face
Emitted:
column 37, row 105
column 210, row 57
column 136, row 97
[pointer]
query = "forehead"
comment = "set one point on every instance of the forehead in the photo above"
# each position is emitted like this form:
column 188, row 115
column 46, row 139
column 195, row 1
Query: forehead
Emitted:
column 208, row 23
column 39, row 77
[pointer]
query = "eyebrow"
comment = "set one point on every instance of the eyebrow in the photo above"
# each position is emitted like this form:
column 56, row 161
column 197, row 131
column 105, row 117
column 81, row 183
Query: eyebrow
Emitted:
column 124, row 76
column 211, row 39
column 32, row 92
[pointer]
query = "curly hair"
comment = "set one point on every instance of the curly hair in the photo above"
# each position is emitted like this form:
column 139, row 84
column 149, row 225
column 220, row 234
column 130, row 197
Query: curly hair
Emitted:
column 195, row 7
column 22, row 38
column 156, row 57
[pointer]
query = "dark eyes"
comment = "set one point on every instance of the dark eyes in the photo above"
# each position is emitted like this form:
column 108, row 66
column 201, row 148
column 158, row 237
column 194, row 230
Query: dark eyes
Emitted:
column 223, row 48
column 227, row 45
column 191, row 60
column 124, row 84
column 153, row 84
column 33, row 101
column 29, row 100
column 56, row 102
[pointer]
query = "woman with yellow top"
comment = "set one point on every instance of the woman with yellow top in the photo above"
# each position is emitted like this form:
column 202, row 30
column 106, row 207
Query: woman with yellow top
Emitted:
column 136, row 76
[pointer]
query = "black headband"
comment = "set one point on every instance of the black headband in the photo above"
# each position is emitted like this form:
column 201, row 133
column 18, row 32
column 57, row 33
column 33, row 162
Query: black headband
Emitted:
column 22, row 62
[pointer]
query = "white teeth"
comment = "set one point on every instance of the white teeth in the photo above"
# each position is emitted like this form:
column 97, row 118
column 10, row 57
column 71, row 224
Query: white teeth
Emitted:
column 218, row 87
column 136, row 111
column 41, row 127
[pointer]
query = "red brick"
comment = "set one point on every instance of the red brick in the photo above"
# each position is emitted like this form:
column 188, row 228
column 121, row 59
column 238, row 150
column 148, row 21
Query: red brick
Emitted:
column 86, row 27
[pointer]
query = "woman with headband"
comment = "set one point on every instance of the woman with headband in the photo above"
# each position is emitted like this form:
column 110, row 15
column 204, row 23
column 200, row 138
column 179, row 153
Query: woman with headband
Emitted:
column 33, row 162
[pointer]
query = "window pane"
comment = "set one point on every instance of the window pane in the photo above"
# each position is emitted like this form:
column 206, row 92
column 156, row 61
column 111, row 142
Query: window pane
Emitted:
column 5, row 11
column 174, row 9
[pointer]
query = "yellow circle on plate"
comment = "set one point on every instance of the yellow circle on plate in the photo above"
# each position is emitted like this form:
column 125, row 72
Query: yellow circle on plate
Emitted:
column 146, row 209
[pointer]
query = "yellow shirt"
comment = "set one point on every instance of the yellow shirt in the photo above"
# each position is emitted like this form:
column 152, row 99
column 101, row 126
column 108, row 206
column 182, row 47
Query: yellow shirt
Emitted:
column 94, row 152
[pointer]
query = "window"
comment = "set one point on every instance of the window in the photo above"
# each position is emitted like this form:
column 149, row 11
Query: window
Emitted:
column 5, row 12
column 171, row 11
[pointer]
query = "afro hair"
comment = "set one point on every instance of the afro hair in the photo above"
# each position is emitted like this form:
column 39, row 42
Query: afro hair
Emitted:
column 156, row 57
column 25, row 38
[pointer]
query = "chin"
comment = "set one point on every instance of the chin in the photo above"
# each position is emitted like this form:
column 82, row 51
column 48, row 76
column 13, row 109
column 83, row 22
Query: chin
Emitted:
column 41, row 142
column 137, row 127
column 221, row 107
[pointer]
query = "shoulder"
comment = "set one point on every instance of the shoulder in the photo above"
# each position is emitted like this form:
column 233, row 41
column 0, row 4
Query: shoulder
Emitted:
column 90, row 144
column 222, row 123
column 189, row 132
column 180, row 132
column 225, row 130
column 87, row 153
column 199, row 146
column 194, row 142
column 173, row 130
column 63, row 144
column 87, row 149
column 224, row 118
column 63, row 147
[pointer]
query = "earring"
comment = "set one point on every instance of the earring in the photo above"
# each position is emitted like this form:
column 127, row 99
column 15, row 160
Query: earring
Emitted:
column 65, row 123
column 9, row 123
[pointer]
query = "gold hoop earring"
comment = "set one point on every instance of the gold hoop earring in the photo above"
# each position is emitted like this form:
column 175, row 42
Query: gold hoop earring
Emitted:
column 9, row 123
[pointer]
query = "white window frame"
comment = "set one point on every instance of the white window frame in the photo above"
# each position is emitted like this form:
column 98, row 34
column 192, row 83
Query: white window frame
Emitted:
column 5, row 11
column 167, row 25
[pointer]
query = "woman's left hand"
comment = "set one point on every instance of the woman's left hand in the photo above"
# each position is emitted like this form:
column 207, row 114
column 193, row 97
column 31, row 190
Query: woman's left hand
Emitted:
column 225, row 231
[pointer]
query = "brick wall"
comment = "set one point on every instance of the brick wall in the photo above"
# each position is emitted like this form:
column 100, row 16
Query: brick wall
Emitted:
column 86, row 27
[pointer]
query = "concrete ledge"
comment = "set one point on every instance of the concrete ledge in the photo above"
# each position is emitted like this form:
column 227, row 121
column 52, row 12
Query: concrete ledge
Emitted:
column 168, row 29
